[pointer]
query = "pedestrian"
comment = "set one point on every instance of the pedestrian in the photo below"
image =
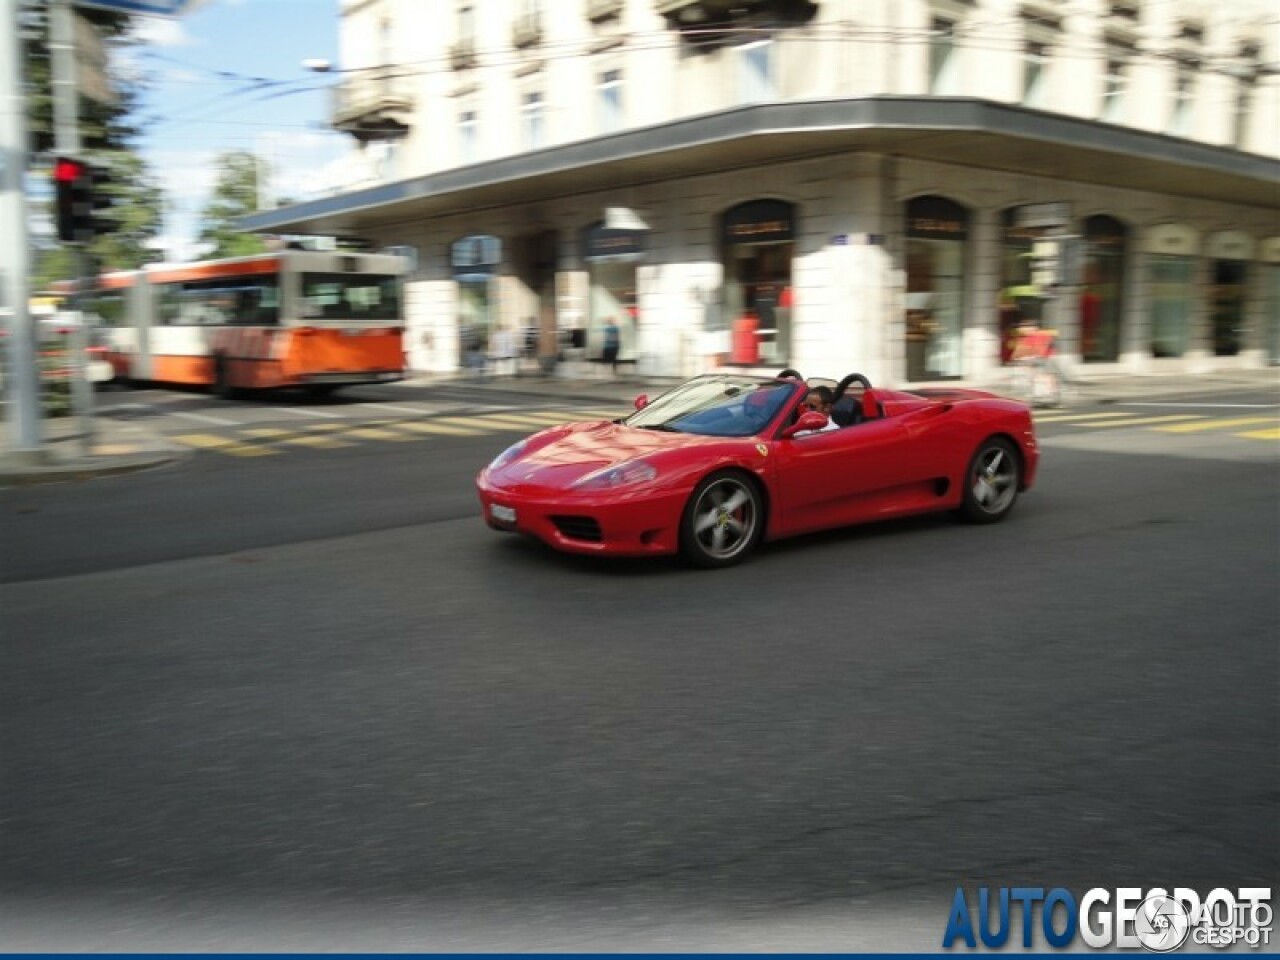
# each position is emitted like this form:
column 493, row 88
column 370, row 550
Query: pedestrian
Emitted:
column 612, row 344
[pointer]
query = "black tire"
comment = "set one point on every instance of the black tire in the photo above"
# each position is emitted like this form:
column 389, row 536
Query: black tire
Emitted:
column 723, row 520
column 991, row 481
column 321, row 391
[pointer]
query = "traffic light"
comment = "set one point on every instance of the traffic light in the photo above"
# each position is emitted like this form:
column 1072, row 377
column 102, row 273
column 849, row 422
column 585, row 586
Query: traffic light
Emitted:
column 80, row 200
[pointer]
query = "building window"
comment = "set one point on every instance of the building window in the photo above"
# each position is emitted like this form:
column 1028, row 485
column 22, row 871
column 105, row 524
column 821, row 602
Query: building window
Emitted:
column 467, row 136
column 1183, row 98
column 758, row 244
column 1035, row 72
column 937, row 233
column 609, row 101
column 1227, row 303
column 1172, row 292
column 467, row 24
column 942, row 56
column 755, row 72
column 1115, row 86
column 531, row 120
column 1244, row 108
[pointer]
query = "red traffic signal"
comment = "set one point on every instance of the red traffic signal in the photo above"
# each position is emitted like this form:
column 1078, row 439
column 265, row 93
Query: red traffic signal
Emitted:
column 79, row 199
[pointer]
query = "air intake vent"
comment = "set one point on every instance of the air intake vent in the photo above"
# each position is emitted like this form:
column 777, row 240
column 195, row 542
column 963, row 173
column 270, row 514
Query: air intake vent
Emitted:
column 579, row 528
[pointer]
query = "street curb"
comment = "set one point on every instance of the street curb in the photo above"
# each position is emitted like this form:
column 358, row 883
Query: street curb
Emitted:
column 76, row 472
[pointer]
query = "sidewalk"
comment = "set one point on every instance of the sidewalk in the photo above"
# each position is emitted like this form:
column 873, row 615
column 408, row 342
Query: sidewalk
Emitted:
column 116, row 447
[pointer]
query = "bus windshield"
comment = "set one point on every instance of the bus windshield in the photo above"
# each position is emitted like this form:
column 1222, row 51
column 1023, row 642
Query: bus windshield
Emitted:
column 350, row 296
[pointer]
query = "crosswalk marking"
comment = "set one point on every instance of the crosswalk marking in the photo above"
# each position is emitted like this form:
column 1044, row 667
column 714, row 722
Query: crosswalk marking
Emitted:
column 1141, row 421
column 1217, row 424
column 262, row 441
column 304, row 412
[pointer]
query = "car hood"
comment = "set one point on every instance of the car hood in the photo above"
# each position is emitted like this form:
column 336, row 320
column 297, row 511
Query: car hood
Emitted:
column 559, row 457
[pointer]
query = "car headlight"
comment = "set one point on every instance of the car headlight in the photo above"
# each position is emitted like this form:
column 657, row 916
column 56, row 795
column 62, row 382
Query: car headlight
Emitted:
column 620, row 476
column 509, row 454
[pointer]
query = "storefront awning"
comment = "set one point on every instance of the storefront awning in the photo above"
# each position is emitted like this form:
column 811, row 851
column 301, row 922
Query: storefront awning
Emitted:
column 975, row 133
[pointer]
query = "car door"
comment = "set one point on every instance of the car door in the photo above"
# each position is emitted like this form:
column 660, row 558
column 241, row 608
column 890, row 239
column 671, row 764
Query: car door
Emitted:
column 872, row 469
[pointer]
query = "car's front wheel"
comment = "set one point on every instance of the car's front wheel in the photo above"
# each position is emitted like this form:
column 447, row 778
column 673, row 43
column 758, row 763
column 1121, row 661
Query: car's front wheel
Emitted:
column 991, row 483
column 722, row 521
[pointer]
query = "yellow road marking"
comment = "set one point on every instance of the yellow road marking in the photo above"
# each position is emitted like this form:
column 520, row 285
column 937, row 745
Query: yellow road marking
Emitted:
column 266, row 432
column 204, row 441
column 1219, row 424
column 1142, row 420
column 327, row 426
column 1272, row 434
column 1064, row 418
column 327, row 443
column 248, row 450
column 375, row 433
column 440, row 428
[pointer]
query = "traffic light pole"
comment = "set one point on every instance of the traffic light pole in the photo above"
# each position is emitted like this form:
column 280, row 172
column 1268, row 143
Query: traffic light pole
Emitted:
column 66, row 141
column 15, row 251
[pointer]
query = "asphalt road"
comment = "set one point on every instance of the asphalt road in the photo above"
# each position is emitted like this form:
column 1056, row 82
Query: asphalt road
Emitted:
column 308, row 701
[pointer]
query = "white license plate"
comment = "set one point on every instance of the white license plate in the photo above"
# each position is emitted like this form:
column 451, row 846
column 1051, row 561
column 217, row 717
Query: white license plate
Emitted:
column 502, row 514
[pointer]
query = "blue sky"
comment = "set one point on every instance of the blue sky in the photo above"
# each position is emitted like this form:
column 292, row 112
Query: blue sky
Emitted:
column 229, row 76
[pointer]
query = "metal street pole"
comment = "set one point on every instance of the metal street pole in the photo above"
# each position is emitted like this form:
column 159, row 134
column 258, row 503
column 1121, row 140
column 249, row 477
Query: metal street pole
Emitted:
column 15, row 250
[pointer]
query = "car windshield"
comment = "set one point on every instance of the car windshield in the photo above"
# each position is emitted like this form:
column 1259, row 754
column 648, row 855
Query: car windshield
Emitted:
column 717, row 406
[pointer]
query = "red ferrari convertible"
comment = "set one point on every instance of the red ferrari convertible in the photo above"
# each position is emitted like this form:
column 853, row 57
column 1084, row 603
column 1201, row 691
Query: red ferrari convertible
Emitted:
column 719, row 463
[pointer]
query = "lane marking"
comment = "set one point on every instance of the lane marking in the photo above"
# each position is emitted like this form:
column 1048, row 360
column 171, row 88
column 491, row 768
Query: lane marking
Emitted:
column 1217, row 424
column 417, row 411
column 204, row 417
column 1272, row 434
column 1142, row 420
column 327, row 426
column 304, row 412
column 248, row 450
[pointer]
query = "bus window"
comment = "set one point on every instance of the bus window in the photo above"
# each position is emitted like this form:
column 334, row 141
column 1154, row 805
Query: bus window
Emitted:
column 339, row 296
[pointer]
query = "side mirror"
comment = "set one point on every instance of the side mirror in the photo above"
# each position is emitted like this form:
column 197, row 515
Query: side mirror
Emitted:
column 642, row 401
column 809, row 420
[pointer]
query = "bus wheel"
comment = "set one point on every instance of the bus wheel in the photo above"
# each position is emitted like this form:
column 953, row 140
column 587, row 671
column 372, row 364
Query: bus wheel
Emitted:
column 321, row 391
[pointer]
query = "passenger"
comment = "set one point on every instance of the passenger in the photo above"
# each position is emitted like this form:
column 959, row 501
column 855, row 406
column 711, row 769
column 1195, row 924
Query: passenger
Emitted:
column 819, row 399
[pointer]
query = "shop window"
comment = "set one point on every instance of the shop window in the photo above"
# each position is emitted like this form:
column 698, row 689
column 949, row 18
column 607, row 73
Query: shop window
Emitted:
column 937, row 232
column 758, row 243
column 1023, row 298
column 1102, row 289
column 612, row 257
column 1271, row 310
column 474, row 261
column 1172, row 291
column 1227, row 305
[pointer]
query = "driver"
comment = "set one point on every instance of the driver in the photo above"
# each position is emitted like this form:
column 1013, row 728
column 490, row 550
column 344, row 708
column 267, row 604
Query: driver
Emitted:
column 819, row 399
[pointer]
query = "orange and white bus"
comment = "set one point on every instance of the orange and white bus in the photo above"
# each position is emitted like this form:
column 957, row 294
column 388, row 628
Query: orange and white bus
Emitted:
column 296, row 318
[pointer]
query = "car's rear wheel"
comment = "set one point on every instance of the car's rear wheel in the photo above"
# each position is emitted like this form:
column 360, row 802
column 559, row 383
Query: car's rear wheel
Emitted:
column 991, row 483
column 722, row 521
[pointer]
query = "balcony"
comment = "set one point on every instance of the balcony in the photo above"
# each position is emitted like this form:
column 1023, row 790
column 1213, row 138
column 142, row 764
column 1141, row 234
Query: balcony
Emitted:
column 708, row 24
column 526, row 31
column 463, row 54
column 377, row 106
column 598, row 10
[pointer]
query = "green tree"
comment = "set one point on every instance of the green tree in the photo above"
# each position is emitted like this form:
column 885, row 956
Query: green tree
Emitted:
column 235, row 195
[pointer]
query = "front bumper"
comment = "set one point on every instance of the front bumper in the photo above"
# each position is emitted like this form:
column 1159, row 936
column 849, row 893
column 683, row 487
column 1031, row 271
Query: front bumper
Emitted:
column 633, row 523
